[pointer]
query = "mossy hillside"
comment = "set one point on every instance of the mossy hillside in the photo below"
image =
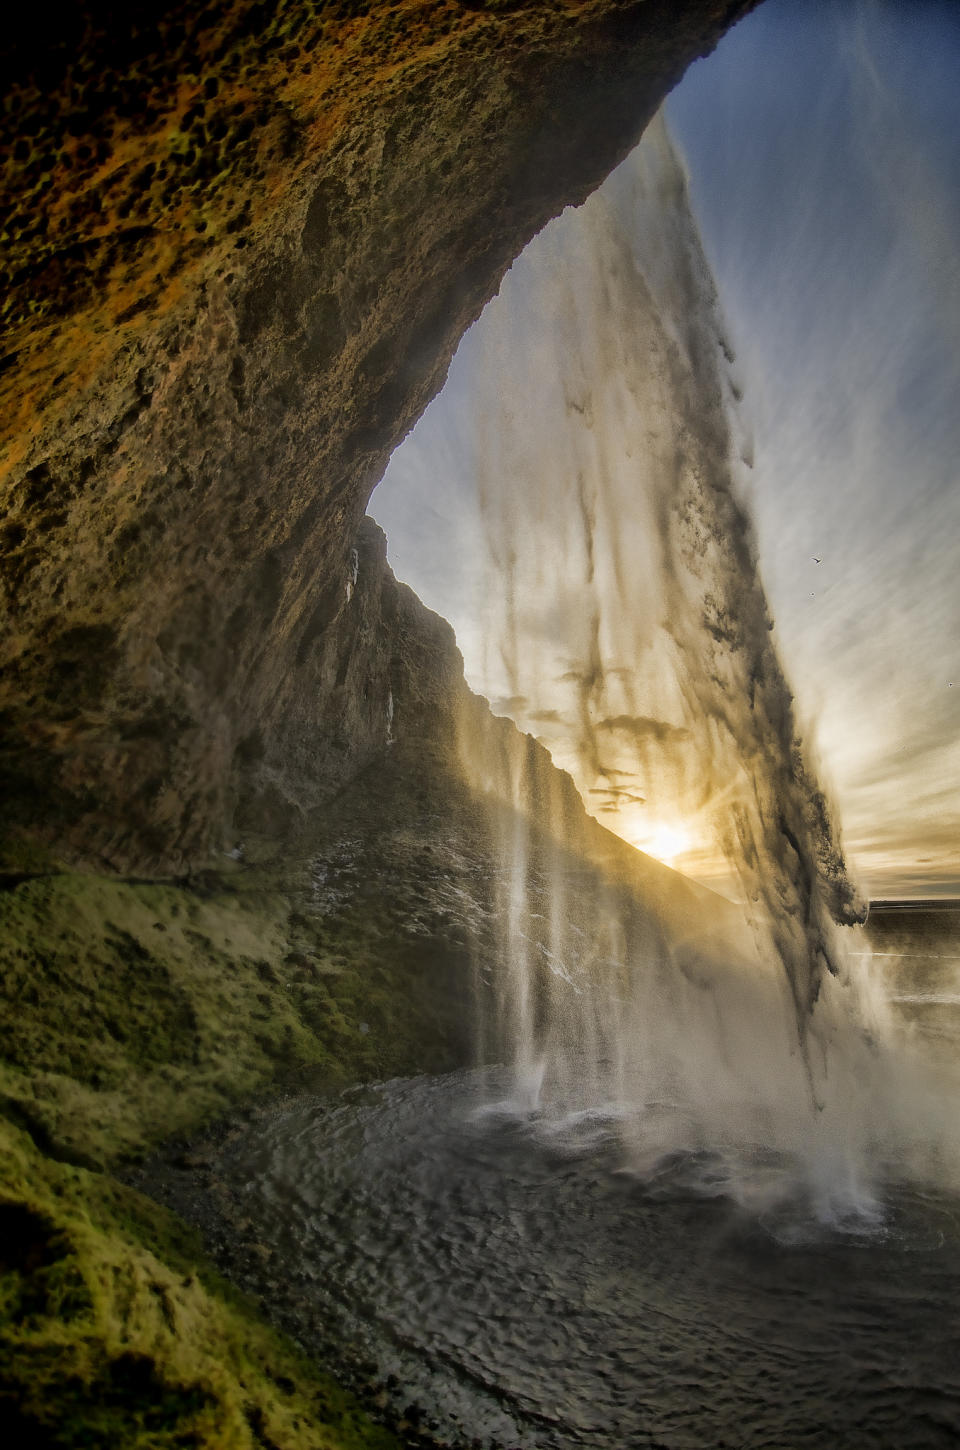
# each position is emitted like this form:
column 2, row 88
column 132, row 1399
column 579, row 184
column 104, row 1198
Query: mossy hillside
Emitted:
column 133, row 1012
column 112, row 1336
column 130, row 1012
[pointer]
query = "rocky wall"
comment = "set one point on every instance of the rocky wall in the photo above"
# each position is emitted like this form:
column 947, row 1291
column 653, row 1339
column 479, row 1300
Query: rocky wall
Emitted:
column 242, row 242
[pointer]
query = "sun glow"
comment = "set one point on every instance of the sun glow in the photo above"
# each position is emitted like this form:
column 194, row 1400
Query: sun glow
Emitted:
column 666, row 841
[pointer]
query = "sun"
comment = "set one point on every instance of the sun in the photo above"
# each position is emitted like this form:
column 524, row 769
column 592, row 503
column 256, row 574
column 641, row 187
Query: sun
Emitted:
column 664, row 841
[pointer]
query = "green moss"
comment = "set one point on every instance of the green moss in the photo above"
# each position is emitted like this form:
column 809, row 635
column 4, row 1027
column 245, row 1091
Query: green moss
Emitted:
column 131, row 1012
column 134, row 1012
column 111, row 1336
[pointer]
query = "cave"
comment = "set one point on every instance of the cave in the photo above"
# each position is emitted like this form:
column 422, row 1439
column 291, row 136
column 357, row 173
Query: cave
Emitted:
column 241, row 855
column 243, row 241
column 231, row 287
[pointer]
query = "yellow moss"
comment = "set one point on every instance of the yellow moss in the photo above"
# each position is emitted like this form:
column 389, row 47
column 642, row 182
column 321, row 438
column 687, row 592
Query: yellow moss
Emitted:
column 110, row 1336
column 133, row 1012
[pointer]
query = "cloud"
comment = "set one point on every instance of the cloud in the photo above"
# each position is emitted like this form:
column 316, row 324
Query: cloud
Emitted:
column 641, row 727
column 511, row 704
column 618, row 793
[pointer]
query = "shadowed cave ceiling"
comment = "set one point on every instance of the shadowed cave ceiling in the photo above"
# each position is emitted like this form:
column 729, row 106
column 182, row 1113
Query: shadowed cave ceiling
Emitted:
column 242, row 241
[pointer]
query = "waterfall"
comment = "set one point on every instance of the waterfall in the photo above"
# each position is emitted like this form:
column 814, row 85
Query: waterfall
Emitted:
column 624, row 621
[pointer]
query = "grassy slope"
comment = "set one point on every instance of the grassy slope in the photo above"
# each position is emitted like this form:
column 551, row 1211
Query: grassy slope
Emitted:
column 111, row 1335
column 130, row 1012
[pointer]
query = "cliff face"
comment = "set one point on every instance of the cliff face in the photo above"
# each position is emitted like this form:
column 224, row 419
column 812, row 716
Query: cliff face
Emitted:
column 243, row 243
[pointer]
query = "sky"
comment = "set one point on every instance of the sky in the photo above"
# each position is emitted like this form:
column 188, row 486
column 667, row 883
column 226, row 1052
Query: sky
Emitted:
column 822, row 147
column 823, row 144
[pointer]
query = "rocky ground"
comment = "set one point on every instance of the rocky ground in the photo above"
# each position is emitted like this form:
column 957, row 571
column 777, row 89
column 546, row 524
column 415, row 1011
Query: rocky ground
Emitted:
column 184, row 1178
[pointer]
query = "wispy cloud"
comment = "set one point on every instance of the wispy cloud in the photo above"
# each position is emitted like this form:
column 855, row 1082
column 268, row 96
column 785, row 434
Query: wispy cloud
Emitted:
column 642, row 727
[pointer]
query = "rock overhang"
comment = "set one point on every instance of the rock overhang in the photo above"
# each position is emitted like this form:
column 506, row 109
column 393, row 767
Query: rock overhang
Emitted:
column 244, row 240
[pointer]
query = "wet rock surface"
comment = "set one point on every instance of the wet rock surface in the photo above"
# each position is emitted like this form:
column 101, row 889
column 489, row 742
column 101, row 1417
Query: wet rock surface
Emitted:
column 511, row 1268
column 186, row 1178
